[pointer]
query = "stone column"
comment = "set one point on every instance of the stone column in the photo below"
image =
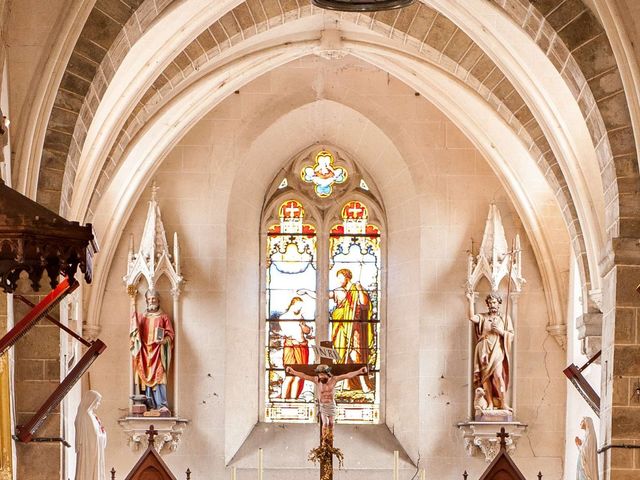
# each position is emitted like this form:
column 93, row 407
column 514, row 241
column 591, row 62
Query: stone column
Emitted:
column 620, row 417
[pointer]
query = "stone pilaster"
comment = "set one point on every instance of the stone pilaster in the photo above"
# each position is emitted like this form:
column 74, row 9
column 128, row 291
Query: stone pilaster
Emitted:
column 620, row 419
column 37, row 374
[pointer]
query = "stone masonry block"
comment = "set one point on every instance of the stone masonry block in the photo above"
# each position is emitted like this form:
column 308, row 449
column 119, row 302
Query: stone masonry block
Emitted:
column 581, row 29
column 621, row 393
column 618, row 474
column 622, row 142
column 626, row 422
column 208, row 43
column 442, row 31
column 621, row 458
column 52, row 370
column 43, row 464
column 625, row 361
column 30, row 369
column 594, row 57
column 625, row 328
column 101, row 29
column 30, row 395
column 243, row 16
column 194, row 50
column 230, row 25
column 256, row 10
column 565, row 13
column 146, row 14
column 406, row 17
column 119, row 11
column 82, row 66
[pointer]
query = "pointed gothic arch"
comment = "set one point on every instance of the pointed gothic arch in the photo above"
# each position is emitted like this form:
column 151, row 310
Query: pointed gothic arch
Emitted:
column 321, row 214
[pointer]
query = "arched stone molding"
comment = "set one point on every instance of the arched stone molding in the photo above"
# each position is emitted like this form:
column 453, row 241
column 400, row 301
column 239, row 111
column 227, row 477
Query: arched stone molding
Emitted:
column 178, row 77
column 153, row 143
column 571, row 221
column 610, row 15
column 564, row 198
column 503, row 151
column 29, row 150
column 298, row 118
column 138, row 67
column 157, row 139
column 560, row 118
column 384, row 122
column 557, row 309
column 516, row 11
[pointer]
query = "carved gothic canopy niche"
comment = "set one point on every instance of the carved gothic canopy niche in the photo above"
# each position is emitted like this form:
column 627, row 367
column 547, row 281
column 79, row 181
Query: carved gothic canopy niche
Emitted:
column 35, row 239
column 499, row 267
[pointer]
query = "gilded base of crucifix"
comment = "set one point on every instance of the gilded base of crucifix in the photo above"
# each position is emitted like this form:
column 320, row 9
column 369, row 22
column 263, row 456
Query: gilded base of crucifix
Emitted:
column 324, row 454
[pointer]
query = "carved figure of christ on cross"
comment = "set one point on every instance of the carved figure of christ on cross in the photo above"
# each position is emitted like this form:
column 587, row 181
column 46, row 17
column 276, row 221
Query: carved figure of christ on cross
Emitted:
column 326, row 376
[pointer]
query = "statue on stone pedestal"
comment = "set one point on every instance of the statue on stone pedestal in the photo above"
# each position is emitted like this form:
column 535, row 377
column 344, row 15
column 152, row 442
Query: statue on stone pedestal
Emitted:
column 91, row 439
column 491, row 358
column 151, row 344
column 588, row 456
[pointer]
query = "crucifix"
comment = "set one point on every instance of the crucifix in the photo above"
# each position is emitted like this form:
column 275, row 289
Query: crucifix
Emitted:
column 325, row 375
column 152, row 433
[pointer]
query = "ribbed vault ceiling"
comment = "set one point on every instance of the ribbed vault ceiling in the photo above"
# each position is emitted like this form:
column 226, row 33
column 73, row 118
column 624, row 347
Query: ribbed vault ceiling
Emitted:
column 565, row 30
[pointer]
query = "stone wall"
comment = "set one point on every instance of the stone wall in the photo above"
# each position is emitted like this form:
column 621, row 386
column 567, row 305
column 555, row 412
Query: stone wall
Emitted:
column 37, row 374
column 436, row 189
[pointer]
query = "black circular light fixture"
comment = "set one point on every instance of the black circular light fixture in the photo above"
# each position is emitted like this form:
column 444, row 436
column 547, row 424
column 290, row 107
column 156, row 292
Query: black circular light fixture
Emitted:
column 361, row 5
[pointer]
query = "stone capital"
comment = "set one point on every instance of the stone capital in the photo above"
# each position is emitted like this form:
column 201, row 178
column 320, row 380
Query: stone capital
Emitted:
column 90, row 331
column 170, row 430
column 480, row 437
column 559, row 334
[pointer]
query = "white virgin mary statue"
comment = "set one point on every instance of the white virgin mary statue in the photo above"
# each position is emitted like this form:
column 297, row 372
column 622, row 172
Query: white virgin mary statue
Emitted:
column 588, row 456
column 91, row 439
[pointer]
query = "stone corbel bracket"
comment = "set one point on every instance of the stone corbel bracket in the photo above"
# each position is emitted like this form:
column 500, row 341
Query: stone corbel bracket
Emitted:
column 589, row 326
column 480, row 437
column 169, row 430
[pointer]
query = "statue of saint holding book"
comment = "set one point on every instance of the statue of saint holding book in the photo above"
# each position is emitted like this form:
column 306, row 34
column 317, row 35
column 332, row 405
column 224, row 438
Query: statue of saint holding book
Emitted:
column 151, row 344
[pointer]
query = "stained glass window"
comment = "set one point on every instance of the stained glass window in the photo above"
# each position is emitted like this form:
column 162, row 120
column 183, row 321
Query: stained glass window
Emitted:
column 354, row 322
column 290, row 327
column 322, row 281
column 324, row 174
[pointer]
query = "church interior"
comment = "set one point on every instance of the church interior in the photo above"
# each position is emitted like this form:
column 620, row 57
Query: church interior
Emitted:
column 241, row 221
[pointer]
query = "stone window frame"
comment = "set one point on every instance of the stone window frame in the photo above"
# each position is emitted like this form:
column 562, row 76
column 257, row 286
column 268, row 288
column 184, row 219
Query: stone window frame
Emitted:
column 323, row 214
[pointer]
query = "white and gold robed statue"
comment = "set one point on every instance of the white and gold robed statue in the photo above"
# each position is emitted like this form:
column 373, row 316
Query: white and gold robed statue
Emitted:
column 91, row 439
